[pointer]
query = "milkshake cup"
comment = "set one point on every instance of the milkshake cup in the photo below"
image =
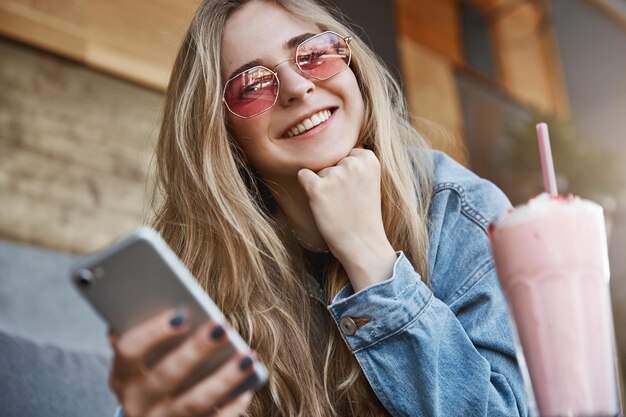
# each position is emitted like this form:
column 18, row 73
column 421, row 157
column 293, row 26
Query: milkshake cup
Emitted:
column 552, row 262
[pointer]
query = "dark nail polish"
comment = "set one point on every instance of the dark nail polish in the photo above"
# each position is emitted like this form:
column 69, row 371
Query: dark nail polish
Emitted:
column 178, row 319
column 217, row 333
column 245, row 363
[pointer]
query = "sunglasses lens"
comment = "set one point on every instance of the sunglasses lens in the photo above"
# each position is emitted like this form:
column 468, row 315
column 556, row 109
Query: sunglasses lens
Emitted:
column 251, row 92
column 323, row 56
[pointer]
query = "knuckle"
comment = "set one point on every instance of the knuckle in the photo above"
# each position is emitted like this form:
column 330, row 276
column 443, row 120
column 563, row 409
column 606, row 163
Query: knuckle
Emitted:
column 302, row 174
column 369, row 156
column 324, row 172
column 222, row 383
column 305, row 177
column 127, row 351
column 159, row 377
column 132, row 408
column 238, row 406
column 192, row 407
column 231, row 378
column 349, row 160
column 246, row 399
column 202, row 342
column 372, row 163
column 375, row 166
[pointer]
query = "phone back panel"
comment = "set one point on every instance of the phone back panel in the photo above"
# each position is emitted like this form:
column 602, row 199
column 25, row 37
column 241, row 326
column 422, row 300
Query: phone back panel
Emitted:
column 140, row 276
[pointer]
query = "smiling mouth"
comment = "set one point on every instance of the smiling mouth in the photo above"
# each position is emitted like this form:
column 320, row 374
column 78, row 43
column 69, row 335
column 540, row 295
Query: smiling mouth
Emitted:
column 309, row 123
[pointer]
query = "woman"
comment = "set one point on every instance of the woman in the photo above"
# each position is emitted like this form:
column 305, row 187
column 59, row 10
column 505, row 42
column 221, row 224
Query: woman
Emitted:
column 354, row 260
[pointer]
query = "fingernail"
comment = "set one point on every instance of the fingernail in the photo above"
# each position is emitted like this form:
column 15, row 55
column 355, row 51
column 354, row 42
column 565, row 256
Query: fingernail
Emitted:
column 178, row 319
column 217, row 332
column 245, row 363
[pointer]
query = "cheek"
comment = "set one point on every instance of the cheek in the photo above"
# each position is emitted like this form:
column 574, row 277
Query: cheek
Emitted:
column 249, row 135
column 356, row 98
column 361, row 107
column 257, row 126
column 358, row 109
column 238, row 132
column 245, row 130
column 235, row 125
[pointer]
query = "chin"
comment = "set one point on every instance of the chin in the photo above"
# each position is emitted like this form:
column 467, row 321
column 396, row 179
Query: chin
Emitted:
column 323, row 160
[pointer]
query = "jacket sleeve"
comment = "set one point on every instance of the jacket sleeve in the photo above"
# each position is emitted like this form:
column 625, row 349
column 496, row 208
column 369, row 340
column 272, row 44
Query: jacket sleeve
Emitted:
column 424, row 356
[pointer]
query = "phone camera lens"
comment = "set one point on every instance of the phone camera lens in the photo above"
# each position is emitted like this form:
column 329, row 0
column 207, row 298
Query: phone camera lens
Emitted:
column 84, row 277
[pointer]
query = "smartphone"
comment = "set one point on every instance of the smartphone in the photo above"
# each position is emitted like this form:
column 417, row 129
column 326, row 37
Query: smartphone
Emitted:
column 140, row 276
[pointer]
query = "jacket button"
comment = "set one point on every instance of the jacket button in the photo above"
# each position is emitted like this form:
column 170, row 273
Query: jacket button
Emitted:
column 347, row 325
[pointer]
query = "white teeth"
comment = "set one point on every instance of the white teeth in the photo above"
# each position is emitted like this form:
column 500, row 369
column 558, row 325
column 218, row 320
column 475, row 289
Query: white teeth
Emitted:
column 309, row 123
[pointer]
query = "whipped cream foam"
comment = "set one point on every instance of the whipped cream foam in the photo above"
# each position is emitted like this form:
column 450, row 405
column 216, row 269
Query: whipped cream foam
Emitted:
column 542, row 205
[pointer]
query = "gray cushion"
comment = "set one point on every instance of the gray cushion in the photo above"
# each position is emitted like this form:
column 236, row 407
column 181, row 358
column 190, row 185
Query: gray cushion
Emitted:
column 46, row 332
column 38, row 302
column 47, row 381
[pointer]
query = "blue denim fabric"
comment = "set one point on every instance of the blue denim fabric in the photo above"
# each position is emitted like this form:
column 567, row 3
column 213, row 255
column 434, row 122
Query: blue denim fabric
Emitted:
column 448, row 351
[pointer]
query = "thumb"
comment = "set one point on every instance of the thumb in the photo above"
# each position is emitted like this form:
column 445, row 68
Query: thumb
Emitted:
column 307, row 179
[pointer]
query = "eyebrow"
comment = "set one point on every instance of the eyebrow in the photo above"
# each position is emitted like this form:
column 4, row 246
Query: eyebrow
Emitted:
column 290, row 44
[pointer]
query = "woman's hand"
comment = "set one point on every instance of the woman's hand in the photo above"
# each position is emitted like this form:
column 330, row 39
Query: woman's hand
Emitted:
column 346, row 205
column 154, row 392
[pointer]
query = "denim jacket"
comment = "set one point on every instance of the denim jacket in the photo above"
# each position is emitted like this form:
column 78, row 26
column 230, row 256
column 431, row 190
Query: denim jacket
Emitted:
column 446, row 351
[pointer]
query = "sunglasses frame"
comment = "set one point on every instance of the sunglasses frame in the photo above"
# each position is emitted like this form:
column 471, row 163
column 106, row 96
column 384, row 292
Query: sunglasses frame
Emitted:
column 347, row 40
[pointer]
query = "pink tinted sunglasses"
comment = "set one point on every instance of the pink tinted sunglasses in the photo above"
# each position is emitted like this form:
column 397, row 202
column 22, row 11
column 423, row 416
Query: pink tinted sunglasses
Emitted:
column 255, row 90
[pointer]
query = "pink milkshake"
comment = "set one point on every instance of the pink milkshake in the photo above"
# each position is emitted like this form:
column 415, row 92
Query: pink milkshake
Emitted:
column 552, row 261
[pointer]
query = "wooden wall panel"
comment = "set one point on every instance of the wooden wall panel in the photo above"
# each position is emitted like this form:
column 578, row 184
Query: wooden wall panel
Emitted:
column 432, row 95
column 137, row 39
column 54, row 25
column 75, row 147
column 528, row 58
column 434, row 24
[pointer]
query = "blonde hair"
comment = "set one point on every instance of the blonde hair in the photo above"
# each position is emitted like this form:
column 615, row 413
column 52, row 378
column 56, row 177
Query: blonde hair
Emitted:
column 214, row 212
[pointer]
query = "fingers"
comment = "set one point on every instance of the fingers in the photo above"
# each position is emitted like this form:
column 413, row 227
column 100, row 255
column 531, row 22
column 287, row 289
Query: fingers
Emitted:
column 359, row 164
column 210, row 392
column 308, row 179
column 171, row 371
column 365, row 156
column 360, row 151
column 133, row 347
column 236, row 407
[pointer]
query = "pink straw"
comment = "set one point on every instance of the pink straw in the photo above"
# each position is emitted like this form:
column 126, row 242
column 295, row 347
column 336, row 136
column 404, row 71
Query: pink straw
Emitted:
column 547, row 167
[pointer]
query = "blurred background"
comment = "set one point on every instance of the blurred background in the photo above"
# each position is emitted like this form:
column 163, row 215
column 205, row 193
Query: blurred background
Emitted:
column 82, row 83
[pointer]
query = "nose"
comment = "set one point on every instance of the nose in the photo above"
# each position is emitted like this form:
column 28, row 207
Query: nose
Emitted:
column 294, row 86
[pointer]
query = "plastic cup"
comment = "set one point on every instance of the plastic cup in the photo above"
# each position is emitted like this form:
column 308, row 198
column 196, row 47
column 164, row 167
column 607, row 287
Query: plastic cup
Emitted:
column 552, row 261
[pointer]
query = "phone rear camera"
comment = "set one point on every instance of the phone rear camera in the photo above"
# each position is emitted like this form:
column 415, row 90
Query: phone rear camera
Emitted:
column 84, row 277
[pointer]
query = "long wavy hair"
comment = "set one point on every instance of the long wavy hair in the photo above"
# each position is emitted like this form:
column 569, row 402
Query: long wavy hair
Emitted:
column 217, row 215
